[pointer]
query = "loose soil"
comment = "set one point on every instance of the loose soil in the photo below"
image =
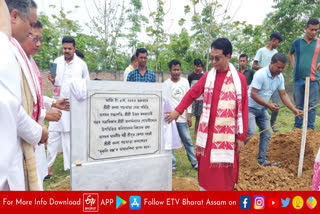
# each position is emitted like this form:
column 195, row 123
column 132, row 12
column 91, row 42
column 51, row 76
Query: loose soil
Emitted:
column 283, row 147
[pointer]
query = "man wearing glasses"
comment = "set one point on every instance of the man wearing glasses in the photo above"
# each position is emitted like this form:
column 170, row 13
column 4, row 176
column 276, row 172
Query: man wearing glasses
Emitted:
column 224, row 121
column 21, row 159
column 31, row 46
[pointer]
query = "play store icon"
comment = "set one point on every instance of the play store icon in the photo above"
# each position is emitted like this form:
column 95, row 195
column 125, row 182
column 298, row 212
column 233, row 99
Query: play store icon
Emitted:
column 120, row 202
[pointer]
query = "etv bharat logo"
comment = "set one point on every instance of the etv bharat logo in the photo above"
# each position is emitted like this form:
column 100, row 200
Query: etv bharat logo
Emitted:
column 90, row 202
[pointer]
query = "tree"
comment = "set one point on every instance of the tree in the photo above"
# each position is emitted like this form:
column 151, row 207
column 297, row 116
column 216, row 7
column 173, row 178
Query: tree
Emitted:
column 246, row 38
column 106, row 24
column 180, row 48
column 157, row 32
column 290, row 18
column 136, row 20
column 208, row 19
column 90, row 46
column 50, row 44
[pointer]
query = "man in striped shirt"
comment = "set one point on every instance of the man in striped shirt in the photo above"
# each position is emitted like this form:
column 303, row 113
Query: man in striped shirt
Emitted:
column 141, row 73
column 306, row 64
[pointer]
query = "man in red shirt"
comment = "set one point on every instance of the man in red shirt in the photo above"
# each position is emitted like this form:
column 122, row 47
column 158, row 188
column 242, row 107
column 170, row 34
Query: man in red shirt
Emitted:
column 224, row 121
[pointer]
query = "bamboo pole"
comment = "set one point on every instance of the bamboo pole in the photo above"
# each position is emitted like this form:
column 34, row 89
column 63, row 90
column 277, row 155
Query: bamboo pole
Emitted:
column 305, row 124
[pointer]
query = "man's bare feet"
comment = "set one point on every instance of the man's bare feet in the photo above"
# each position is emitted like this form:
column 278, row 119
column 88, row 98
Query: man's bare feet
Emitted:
column 50, row 170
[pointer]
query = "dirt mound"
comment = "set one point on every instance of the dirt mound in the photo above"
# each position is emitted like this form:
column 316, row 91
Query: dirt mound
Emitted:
column 283, row 147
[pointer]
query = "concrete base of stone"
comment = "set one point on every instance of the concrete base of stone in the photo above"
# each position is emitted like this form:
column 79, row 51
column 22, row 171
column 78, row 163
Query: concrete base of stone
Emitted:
column 134, row 174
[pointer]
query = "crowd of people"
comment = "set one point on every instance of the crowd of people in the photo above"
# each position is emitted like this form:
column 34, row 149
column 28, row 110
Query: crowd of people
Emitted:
column 24, row 164
column 227, row 103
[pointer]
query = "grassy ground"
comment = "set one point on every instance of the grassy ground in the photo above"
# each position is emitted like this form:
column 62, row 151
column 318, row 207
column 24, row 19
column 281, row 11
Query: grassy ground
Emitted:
column 60, row 180
column 285, row 120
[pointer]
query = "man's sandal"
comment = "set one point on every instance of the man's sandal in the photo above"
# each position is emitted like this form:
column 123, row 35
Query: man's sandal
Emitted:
column 47, row 177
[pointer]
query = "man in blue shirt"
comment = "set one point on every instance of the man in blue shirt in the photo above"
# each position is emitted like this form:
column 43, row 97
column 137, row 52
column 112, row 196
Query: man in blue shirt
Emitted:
column 265, row 82
column 141, row 73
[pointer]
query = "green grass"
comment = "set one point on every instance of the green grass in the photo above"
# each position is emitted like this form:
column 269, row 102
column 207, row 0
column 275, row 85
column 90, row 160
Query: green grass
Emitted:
column 285, row 119
column 184, row 168
column 49, row 94
column 59, row 175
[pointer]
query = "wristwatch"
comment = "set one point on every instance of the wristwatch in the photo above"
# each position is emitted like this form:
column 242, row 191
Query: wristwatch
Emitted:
column 54, row 103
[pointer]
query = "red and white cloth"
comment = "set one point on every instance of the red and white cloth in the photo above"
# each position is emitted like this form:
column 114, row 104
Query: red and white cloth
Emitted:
column 228, row 122
column 31, row 76
column 316, row 173
column 38, row 74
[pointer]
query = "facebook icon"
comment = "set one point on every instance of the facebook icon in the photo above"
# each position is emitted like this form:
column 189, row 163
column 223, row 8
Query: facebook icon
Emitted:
column 245, row 202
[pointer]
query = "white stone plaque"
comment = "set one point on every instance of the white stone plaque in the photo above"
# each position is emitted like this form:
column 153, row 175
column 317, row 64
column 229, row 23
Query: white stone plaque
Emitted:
column 123, row 124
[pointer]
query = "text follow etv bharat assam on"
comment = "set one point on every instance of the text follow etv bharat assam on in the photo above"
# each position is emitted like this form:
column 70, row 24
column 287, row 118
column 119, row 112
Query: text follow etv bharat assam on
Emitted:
column 186, row 202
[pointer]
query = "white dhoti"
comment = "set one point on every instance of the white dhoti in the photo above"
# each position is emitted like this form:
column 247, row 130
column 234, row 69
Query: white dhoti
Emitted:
column 42, row 164
column 60, row 148
column 56, row 138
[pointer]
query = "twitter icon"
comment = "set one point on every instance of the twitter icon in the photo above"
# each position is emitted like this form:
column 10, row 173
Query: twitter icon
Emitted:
column 286, row 202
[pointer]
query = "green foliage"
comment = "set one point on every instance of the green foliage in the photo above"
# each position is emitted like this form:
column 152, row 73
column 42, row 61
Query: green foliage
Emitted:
column 206, row 26
column 179, row 44
column 290, row 18
column 136, row 19
column 115, row 29
column 89, row 45
column 50, row 46
column 246, row 38
column 157, row 33
column 106, row 24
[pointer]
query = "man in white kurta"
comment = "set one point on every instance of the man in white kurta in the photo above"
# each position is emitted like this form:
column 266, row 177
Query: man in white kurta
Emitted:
column 69, row 68
column 15, row 122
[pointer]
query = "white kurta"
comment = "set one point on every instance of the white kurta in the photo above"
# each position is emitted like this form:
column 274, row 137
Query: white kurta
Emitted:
column 9, row 108
column 66, row 72
column 14, row 122
column 47, row 102
column 59, row 132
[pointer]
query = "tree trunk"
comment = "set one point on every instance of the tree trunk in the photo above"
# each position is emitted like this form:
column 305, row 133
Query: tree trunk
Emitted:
column 208, row 59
